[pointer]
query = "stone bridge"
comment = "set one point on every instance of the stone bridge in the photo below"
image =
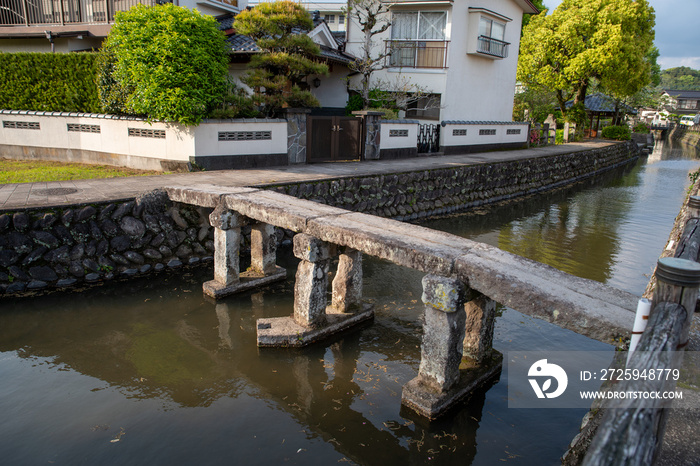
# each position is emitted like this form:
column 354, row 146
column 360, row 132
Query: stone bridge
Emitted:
column 464, row 281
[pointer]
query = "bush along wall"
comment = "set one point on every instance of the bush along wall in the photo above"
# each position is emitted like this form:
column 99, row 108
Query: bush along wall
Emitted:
column 51, row 82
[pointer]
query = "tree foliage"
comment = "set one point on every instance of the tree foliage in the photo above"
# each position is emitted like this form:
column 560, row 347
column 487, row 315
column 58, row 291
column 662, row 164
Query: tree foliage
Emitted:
column 165, row 62
column 681, row 78
column 288, row 56
column 540, row 6
column 587, row 42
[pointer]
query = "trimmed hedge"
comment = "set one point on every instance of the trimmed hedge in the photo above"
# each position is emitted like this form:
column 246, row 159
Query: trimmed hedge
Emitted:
column 57, row 82
column 620, row 133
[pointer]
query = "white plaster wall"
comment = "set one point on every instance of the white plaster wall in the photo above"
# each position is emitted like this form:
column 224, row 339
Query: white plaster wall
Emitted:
column 206, row 138
column 333, row 91
column 387, row 142
column 180, row 143
column 474, row 138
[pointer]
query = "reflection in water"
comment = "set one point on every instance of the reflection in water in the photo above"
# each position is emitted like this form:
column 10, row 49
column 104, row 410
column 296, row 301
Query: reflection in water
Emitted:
column 154, row 373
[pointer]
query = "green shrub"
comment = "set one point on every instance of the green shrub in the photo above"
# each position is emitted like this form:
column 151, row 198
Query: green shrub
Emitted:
column 56, row 82
column 641, row 128
column 389, row 113
column 620, row 133
column 354, row 104
column 165, row 62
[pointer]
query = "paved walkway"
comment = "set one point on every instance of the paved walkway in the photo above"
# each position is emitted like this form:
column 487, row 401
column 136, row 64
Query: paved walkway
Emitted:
column 61, row 193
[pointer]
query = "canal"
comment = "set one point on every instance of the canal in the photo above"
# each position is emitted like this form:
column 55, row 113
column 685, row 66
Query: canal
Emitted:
column 153, row 373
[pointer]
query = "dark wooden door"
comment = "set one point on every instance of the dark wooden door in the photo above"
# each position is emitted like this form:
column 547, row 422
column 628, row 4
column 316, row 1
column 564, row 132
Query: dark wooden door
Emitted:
column 333, row 138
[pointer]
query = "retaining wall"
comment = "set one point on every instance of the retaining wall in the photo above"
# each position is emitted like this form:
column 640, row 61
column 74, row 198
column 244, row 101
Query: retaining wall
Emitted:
column 52, row 248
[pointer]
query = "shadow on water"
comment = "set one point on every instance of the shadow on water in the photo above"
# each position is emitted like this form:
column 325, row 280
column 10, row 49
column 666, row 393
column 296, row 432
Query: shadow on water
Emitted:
column 153, row 373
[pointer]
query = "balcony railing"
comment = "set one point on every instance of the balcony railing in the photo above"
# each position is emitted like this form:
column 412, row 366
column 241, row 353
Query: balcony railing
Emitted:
column 62, row 12
column 493, row 47
column 417, row 53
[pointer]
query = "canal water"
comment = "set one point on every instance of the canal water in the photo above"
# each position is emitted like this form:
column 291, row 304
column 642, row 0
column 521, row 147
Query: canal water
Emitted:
column 153, row 373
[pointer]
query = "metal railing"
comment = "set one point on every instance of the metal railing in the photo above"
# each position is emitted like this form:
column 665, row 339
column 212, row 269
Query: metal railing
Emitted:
column 493, row 47
column 416, row 53
column 62, row 12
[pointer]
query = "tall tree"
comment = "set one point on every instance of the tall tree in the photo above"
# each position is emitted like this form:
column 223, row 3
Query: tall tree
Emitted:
column 165, row 62
column 288, row 56
column 373, row 18
column 584, row 42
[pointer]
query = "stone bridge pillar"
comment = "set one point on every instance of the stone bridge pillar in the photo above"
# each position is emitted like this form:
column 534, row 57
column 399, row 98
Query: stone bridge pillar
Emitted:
column 311, row 281
column 347, row 284
column 227, row 240
column 313, row 318
column 445, row 376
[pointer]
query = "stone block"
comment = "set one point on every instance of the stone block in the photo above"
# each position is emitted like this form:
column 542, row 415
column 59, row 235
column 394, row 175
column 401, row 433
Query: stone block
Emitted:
column 481, row 317
column 226, row 260
column 222, row 218
column 442, row 293
column 203, row 195
column 311, row 249
column 247, row 281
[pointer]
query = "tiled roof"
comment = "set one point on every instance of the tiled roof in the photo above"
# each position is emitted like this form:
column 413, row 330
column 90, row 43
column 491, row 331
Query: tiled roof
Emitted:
column 242, row 44
column 602, row 103
column 683, row 94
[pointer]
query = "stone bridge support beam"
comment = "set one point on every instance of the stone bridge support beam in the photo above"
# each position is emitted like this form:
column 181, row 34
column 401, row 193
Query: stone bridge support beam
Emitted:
column 444, row 376
column 227, row 239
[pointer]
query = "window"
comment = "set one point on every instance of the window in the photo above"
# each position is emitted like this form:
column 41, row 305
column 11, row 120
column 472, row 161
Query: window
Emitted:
column 330, row 18
column 491, row 37
column 341, row 19
column 418, row 39
column 687, row 104
column 487, row 33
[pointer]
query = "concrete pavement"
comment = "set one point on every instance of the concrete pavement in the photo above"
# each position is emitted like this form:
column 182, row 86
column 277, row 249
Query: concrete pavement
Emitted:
column 62, row 193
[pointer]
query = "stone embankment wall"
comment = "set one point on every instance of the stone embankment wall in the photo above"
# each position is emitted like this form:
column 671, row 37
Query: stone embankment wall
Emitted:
column 686, row 136
column 56, row 248
column 415, row 195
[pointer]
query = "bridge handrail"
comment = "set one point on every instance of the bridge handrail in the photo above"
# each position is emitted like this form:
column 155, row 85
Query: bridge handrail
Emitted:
column 584, row 306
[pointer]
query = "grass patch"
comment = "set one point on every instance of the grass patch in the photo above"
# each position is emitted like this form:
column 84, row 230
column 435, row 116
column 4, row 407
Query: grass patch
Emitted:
column 32, row 171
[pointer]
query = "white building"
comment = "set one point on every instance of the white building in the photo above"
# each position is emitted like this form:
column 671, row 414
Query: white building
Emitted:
column 464, row 52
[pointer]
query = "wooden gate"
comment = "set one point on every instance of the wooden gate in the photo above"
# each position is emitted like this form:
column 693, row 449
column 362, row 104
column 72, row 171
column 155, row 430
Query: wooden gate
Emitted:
column 333, row 138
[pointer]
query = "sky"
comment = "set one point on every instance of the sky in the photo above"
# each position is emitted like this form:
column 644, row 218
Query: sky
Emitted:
column 677, row 31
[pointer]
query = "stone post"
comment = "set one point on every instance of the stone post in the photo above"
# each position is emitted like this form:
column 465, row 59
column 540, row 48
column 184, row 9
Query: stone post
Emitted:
column 478, row 339
column 372, row 128
column 443, row 331
column 311, row 280
column 263, row 249
column 566, row 132
column 227, row 240
column 296, row 134
column 694, row 207
column 677, row 282
column 347, row 284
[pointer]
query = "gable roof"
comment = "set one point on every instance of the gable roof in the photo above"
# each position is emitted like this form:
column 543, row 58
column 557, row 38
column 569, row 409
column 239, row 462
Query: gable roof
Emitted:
column 683, row 94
